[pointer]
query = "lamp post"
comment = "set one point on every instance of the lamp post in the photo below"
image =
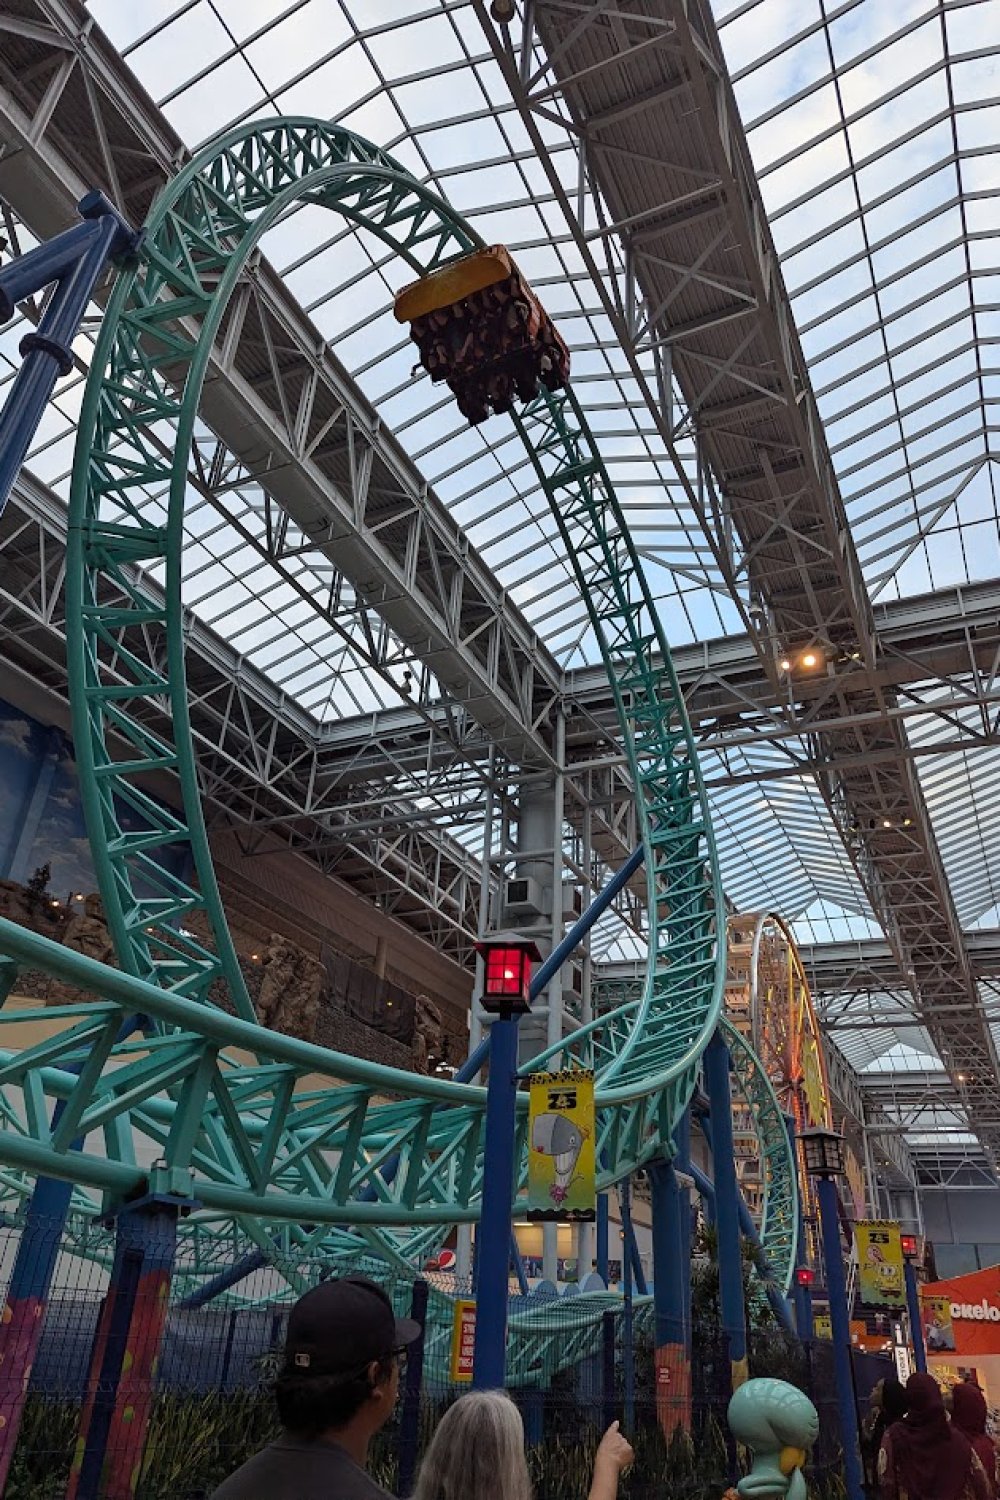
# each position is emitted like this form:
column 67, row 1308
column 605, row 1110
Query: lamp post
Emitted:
column 910, row 1248
column 823, row 1153
column 804, row 1278
column 507, row 960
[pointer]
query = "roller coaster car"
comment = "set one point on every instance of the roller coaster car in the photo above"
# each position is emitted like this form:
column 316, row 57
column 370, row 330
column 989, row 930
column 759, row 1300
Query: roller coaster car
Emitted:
column 480, row 327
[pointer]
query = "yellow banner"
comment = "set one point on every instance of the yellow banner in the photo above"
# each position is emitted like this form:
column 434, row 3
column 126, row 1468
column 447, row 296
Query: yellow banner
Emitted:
column 562, row 1184
column 880, row 1263
column 463, row 1340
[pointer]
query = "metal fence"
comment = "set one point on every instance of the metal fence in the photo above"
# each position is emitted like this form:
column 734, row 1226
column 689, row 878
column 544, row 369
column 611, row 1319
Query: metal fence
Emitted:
column 211, row 1404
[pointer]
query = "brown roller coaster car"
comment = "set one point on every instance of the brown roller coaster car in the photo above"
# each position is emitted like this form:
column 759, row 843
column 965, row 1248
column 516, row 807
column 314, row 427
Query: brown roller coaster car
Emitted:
column 480, row 327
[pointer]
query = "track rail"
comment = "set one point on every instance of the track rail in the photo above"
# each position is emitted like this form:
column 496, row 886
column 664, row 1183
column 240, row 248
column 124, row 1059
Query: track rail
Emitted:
column 257, row 1126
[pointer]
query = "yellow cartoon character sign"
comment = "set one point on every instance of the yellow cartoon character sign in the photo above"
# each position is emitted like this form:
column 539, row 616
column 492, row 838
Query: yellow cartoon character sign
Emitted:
column 561, row 1163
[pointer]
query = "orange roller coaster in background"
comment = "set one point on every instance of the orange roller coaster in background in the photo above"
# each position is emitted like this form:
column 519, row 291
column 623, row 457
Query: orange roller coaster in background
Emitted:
column 768, row 998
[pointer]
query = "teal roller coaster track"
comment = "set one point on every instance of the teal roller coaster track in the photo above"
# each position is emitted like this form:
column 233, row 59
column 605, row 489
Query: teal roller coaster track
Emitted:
column 287, row 1141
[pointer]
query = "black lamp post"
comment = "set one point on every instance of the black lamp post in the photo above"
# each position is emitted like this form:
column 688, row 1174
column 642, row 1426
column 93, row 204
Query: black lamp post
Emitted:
column 911, row 1250
column 823, row 1154
column 507, row 960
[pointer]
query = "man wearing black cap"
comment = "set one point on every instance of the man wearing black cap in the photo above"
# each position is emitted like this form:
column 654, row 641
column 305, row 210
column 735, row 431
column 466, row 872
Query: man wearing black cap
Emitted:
column 337, row 1387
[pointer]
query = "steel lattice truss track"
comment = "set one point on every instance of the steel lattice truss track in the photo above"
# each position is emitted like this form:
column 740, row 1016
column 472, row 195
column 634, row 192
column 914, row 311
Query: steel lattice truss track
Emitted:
column 256, row 1126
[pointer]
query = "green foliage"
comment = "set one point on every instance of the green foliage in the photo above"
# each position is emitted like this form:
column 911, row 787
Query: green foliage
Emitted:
column 705, row 1299
column 40, row 1469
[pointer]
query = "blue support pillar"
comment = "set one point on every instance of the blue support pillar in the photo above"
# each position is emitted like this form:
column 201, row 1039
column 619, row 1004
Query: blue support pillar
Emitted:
column 73, row 261
column 749, row 1231
column 628, row 1326
column 126, row 1349
column 913, row 1311
column 601, row 1238
column 671, row 1220
column 836, row 1286
column 409, row 1425
column 682, row 1163
column 608, row 1366
column 517, row 1261
column 727, row 1197
column 493, row 1239
column 31, row 1283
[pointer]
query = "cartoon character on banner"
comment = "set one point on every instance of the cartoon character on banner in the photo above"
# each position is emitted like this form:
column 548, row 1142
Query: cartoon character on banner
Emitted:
column 556, row 1136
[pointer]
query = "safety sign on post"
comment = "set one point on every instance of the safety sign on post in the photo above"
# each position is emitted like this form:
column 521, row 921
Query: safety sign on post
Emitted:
column 463, row 1340
column 880, row 1263
column 562, row 1179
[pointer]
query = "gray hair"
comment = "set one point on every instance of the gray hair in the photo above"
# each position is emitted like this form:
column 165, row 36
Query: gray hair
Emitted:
column 477, row 1452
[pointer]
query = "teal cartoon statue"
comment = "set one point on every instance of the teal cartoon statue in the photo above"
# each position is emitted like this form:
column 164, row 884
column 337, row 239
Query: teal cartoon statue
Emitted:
column 779, row 1424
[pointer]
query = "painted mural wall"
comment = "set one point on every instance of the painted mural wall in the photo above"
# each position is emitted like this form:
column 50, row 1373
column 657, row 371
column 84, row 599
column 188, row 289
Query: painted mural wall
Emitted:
column 41, row 815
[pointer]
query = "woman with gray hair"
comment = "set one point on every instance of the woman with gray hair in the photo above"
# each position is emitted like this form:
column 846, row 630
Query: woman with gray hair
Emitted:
column 477, row 1453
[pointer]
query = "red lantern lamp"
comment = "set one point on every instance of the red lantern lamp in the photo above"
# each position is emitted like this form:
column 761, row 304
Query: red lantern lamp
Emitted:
column 805, row 1275
column 507, row 960
column 908, row 1245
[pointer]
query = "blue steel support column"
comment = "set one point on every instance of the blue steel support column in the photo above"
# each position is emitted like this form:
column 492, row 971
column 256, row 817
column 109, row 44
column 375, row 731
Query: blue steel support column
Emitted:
column 682, row 1163
column 671, row 1291
column 836, row 1286
column 913, row 1309
column 608, row 1366
column 749, row 1231
column 517, row 1261
column 727, row 1194
column 628, row 1340
column 489, row 1364
column 30, row 1284
column 125, row 1353
column 601, row 1237
column 409, row 1426
column 74, row 264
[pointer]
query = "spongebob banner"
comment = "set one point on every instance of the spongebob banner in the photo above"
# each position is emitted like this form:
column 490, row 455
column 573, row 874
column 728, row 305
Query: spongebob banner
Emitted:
column 561, row 1164
column 880, row 1263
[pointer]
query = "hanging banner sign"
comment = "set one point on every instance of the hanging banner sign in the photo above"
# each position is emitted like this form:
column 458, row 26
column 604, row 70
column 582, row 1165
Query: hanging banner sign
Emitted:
column 562, row 1177
column 880, row 1263
column 855, row 1173
column 463, row 1340
column 936, row 1316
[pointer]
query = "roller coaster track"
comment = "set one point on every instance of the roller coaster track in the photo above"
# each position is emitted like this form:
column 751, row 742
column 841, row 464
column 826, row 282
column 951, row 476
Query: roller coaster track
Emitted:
column 320, row 1152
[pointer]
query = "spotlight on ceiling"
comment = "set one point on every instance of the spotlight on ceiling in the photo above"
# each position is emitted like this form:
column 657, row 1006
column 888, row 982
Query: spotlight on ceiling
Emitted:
column 502, row 11
column 809, row 659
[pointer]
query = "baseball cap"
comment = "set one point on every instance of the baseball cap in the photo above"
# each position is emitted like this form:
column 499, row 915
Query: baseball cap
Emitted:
column 341, row 1326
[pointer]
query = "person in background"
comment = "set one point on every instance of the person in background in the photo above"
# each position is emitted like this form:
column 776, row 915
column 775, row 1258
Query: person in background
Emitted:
column 888, row 1405
column 968, row 1415
column 923, row 1457
column 477, row 1453
column 336, row 1389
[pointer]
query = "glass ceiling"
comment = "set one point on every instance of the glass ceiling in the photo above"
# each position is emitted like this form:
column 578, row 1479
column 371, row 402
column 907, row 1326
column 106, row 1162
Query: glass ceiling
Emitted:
column 875, row 131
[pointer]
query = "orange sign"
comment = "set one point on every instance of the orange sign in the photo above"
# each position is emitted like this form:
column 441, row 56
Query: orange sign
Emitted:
column 963, row 1315
column 463, row 1340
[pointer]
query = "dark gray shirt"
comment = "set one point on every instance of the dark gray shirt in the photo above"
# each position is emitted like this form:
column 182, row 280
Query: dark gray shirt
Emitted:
column 296, row 1469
